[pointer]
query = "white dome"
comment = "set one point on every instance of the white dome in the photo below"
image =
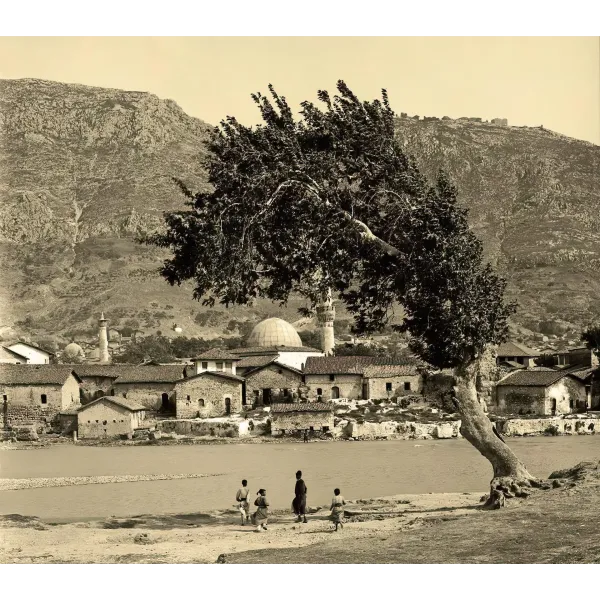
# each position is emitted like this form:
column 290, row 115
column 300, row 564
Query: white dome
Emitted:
column 273, row 332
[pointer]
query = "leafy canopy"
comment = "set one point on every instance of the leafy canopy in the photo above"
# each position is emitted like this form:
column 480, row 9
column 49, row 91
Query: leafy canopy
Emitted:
column 331, row 200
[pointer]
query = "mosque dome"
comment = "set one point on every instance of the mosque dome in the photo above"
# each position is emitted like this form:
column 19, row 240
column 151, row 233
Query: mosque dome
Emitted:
column 273, row 332
column 74, row 351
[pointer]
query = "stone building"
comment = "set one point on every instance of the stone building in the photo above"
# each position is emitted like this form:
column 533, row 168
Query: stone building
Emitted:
column 151, row 386
column 582, row 356
column 109, row 416
column 272, row 382
column 33, row 354
column 208, row 394
column 275, row 338
column 513, row 352
column 311, row 416
column 97, row 380
column 540, row 392
column 216, row 360
column 392, row 381
column 36, row 393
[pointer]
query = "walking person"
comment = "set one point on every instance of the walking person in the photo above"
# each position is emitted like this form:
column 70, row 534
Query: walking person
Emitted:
column 242, row 499
column 306, row 436
column 262, row 512
column 337, row 509
column 299, row 503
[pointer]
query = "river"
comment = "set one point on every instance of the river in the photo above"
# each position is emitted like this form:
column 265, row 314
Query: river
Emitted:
column 360, row 469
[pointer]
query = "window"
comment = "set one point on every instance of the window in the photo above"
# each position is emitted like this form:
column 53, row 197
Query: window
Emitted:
column 124, row 394
column 219, row 366
column 335, row 392
column 44, row 399
column 407, row 386
column 205, row 365
column 325, row 429
column 388, row 386
column 201, row 402
column 5, row 398
column 114, row 420
column 332, row 378
column 319, row 391
column 104, row 422
column 188, row 398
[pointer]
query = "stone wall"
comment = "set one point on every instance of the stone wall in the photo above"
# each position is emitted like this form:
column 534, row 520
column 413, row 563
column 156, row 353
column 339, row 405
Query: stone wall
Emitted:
column 209, row 427
column 271, row 377
column 105, row 419
column 377, row 386
column 301, row 421
column 403, row 430
column 95, row 387
column 554, row 426
column 204, row 396
column 350, row 386
column 147, row 394
column 520, row 400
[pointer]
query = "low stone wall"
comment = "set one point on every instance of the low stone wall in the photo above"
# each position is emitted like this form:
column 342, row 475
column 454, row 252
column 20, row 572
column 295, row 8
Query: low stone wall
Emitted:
column 204, row 427
column 548, row 426
column 403, row 431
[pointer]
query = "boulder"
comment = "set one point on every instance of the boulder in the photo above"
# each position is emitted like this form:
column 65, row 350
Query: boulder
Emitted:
column 26, row 433
column 444, row 431
column 154, row 435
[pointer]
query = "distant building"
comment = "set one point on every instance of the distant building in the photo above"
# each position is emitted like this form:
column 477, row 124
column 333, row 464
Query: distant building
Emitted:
column 513, row 352
column 34, row 354
column 540, row 392
column 36, row 393
column 271, row 383
column 208, row 394
column 501, row 122
column 580, row 356
column 109, row 416
column 312, row 416
column 10, row 357
column 392, row 381
column 216, row 359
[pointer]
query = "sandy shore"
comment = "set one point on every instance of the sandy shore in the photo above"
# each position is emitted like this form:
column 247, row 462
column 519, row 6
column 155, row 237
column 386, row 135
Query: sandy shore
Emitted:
column 202, row 538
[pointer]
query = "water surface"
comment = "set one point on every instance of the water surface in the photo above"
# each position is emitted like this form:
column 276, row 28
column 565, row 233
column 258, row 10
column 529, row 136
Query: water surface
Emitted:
column 360, row 469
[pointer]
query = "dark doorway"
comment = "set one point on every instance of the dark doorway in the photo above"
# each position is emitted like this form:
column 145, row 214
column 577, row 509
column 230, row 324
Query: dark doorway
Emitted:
column 227, row 406
column 5, row 411
column 164, row 406
column 365, row 391
column 553, row 406
column 335, row 392
column 267, row 396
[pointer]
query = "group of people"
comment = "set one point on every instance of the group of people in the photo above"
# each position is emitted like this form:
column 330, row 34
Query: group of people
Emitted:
column 261, row 515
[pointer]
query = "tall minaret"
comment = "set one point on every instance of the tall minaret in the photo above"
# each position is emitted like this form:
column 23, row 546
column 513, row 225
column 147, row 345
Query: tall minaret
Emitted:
column 103, row 339
column 325, row 318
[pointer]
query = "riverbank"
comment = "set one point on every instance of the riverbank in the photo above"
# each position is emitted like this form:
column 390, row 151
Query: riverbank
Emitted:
column 553, row 526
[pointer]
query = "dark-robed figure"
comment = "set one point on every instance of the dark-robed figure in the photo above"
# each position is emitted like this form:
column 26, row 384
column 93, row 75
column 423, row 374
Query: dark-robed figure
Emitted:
column 299, row 503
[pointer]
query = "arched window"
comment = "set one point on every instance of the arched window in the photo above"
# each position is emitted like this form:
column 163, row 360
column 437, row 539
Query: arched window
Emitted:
column 201, row 402
column 335, row 392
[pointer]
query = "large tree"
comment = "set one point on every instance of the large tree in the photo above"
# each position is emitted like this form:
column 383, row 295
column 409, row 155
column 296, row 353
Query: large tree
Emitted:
column 331, row 201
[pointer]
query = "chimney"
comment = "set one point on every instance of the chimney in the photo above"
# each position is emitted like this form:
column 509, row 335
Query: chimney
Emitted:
column 103, row 339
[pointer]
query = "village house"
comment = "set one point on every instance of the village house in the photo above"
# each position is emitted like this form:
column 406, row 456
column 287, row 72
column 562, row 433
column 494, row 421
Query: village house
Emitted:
column 392, row 381
column 582, row 356
column 33, row 354
column 208, row 394
column 36, row 393
column 10, row 357
column 151, row 386
column 278, row 338
column 272, row 383
column 540, row 392
column 516, row 355
column 311, row 416
column 216, row 360
column 109, row 416
column 97, row 380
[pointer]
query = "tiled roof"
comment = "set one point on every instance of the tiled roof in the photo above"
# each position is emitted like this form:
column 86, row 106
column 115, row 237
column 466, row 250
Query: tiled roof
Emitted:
column 35, row 374
column 389, row 371
column 302, row 407
column 271, row 350
column 34, row 347
column 256, row 361
column 250, row 372
column 348, row 365
column 152, row 374
column 217, row 354
column 515, row 349
column 512, row 364
column 214, row 374
column 124, row 402
column 534, row 378
column 95, row 370
column 581, row 373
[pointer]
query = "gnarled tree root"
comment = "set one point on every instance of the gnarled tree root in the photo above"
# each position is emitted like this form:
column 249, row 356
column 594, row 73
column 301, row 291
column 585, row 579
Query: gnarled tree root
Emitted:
column 502, row 488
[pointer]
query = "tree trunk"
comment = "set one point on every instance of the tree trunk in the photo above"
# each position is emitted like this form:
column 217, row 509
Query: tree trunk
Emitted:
column 511, row 477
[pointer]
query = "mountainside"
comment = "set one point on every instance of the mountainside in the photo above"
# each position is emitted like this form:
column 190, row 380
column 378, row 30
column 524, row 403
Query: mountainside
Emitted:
column 83, row 170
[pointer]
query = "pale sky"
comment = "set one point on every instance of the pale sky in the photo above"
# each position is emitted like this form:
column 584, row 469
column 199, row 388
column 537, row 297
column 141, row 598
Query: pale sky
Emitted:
column 554, row 82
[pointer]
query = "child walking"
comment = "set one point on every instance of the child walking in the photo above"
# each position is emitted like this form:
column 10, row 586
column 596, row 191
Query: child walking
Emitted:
column 262, row 512
column 242, row 500
column 337, row 509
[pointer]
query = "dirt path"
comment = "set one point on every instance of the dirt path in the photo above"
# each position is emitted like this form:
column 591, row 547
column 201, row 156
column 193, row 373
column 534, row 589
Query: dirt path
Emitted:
column 202, row 538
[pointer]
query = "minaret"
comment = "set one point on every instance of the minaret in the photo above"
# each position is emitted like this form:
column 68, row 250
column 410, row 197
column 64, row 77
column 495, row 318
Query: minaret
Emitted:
column 103, row 339
column 325, row 318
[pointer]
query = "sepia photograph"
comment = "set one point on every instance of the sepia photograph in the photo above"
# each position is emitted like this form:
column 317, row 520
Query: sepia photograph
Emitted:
column 299, row 300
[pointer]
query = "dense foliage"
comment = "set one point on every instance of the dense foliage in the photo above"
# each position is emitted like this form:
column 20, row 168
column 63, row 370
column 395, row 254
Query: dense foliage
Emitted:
column 331, row 200
column 591, row 337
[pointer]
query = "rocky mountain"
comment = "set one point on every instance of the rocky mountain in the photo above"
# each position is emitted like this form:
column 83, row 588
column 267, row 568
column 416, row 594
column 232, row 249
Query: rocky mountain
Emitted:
column 83, row 170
